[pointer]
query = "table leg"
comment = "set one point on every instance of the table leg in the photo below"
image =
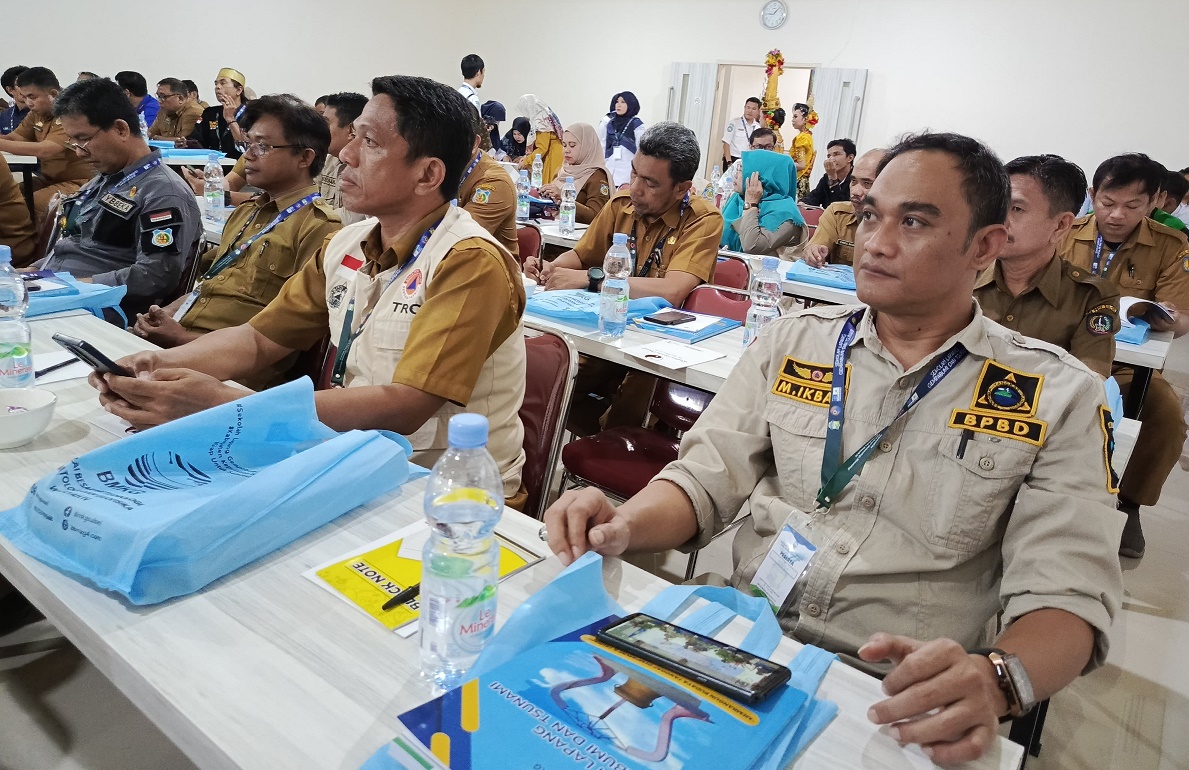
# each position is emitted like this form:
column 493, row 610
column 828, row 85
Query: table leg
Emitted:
column 1135, row 395
column 27, row 188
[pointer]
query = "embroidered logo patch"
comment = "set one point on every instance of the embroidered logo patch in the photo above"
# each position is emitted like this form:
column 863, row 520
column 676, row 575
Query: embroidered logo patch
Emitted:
column 336, row 295
column 1185, row 261
column 1107, row 424
column 481, row 195
column 807, row 382
column 1004, row 404
column 412, row 283
column 214, row 125
column 604, row 190
column 1101, row 320
column 163, row 237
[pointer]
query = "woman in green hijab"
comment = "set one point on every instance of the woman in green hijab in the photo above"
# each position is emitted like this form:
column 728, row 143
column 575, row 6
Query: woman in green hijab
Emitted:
column 765, row 217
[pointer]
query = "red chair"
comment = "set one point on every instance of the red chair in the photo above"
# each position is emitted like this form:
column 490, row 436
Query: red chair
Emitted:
column 552, row 366
column 731, row 271
column 529, row 241
column 812, row 214
column 720, row 301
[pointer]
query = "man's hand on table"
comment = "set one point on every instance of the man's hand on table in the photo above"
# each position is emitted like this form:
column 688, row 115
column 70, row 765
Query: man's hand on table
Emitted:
column 158, row 327
column 564, row 278
column 155, row 396
column 941, row 677
column 815, row 255
column 584, row 520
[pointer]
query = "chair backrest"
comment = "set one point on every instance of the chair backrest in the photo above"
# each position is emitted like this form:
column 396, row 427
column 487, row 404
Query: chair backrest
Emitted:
column 720, row 301
column 189, row 273
column 312, row 363
column 812, row 214
column 46, row 231
column 552, row 366
column 322, row 378
column 529, row 241
column 678, row 406
column 731, row 271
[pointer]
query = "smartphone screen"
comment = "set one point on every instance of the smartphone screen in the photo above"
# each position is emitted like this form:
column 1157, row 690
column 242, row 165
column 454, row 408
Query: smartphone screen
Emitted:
column 719, row 666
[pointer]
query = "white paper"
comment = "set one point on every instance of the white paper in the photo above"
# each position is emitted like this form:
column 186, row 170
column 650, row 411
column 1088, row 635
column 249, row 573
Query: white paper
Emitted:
column 672, row 355
column 1127, row 303
column 117, row 426
column 76, row 371
column 413, row 544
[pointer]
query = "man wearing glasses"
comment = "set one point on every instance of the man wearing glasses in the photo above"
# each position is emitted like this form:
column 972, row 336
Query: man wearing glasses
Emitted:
column 266, row 239
column 178, row 112
column 135, row 223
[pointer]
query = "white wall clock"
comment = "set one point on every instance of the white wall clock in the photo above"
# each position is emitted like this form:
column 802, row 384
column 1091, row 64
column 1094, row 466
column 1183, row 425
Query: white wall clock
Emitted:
column 773, row 14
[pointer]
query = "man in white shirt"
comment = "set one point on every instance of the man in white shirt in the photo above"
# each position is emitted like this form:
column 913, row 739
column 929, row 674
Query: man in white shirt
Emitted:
column 737, row 137
column 472, row 78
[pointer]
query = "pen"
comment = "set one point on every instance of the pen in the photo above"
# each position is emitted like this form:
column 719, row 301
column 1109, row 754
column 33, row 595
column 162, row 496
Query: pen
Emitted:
column 55, row 367
column 402, row 597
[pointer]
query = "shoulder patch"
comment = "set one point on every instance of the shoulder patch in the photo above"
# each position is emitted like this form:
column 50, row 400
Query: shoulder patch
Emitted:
column 1004, row 404
column 1101, row 320
column 604, row 189
column 1184, row 257
column 482, row 194
column 807, row 382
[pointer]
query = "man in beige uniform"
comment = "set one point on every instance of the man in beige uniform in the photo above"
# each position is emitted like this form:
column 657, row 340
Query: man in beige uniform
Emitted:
column 339, row 112
column 986, row 498
column 423, row 304
column 833, row 241
column 16, row 226
column 178, row 112
column 1143, row 259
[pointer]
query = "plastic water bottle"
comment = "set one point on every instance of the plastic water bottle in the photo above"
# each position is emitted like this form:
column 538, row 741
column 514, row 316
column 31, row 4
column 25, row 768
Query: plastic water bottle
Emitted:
column 212, row 187
column 765, row 299
column 538, row 168
column 712, row 190
column 460, row 565
column 144, row 126
column 522, row 197
column 569, row 207
column 16, row 353
column 613, row 301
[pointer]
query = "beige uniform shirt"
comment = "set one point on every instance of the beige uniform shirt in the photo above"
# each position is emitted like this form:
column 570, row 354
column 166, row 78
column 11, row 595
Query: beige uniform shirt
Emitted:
column 328, row 188
column 70, row 167
column 176, row 126
column 1153, row 263
column 836, row 231
column 489, row 196
column 16, row 226
column 925, row 541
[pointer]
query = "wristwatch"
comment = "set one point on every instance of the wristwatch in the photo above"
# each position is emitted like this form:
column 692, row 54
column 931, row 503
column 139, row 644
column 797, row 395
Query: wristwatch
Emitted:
column 1013, row 680
column 747, row 206
column 595, row 277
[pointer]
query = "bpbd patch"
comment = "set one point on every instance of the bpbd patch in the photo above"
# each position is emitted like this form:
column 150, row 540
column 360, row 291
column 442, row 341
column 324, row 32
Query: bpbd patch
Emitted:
column 1004, row 404
column 808, row 383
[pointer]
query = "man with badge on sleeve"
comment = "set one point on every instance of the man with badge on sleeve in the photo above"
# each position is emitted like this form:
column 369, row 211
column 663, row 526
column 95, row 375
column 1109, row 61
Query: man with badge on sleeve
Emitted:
column 833, row 242
column 936, row 465
column 1144, row 259
column 488, row 195
column 266, row 240
column 1030, row 289
column 135, row 224
column 422, row 304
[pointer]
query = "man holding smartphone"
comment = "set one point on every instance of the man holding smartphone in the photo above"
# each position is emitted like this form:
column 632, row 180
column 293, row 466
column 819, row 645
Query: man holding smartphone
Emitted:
column 916, row 470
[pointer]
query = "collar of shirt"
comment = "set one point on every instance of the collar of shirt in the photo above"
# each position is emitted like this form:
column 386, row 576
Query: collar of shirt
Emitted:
column 1142, row 234
column 843, row 181
column 671, row 216
column 973, row 337
column 106, row 180
column 279, row 204
column 1047, row 281
column 400, row 251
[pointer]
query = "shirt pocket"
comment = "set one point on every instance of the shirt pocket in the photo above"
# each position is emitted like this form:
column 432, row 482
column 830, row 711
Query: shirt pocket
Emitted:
column 798, row 436
column 968, row 494
column 271, row 264
column 1136, row 278
column 114, row 231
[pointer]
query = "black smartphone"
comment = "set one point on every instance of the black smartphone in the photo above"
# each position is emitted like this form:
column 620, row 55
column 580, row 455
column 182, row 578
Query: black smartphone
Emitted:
column 669, row 317
column 721, row 667
column 90, row 355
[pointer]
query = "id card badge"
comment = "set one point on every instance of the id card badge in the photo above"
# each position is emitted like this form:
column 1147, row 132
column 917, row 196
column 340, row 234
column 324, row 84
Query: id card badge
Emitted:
column 617, row 153
column 188, row 303
column 784, row 564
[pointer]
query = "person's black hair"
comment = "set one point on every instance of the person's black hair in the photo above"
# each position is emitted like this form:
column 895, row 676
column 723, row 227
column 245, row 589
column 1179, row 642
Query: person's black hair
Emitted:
column 88, row 73
column 801, row 108
column 1125, row 170
column 100, row 101
column 133, row 82
column 175, row 86
column 1176, row 185
column 675, row 143
column 40, row 77
column 347, row 106
column 778, row 116
column 763, row 132
column 9, row 78
column 320, row 100
column 848, row 147
column 300, row 124
column 435, row 121
column 1184, row 170
column 984, row 181
column 192, row 87
column 754, row 100
column 1063, row 183
column 472, row 65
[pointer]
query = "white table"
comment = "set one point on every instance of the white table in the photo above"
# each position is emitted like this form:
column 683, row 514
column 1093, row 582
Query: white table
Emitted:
column 197, row 161
column 551, row 234
column 26, row 164
column 264, row 669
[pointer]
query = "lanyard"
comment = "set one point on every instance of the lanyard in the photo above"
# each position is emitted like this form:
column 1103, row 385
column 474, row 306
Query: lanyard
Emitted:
column 654, row 256
column 231, row 255
column 70, row 214
column 836, row 476
column 346, row 337
column 1098, row 256
column 466, row 175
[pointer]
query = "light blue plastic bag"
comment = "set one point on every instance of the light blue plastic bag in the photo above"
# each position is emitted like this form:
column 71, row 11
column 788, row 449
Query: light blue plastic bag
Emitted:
column 1135, row 334
column 581, row 307
column 1114, row 398
column 834, row 276
column 164, row 512
column 92, row 297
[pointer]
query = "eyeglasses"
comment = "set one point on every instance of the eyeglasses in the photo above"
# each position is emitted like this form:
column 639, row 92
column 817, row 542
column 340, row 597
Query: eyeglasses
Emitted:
column 763, row 147
column 81, row 146
column 261, row 149
column 163, row 97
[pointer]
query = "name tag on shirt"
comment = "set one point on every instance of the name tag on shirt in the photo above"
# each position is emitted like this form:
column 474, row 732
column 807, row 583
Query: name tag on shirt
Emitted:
column 117, row 204
column 783, row 565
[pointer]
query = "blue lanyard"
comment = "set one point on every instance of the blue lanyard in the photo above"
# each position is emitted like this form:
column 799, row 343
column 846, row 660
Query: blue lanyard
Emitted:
column 466, row 175
column 346, row 336
column 86, row 197
column 836, row 473
column 240, row 112
column 654, row 257
column 231, row 255
column 1098, row 256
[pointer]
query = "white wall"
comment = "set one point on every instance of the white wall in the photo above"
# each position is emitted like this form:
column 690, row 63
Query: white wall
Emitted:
column 1084, row 78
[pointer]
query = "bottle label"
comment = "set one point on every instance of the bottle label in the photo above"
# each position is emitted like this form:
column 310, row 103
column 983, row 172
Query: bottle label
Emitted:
column 471, row 620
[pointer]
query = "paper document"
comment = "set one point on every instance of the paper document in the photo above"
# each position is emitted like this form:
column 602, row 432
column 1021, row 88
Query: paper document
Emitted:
column 76, row 371
column 672, row 355
column 1132, row 307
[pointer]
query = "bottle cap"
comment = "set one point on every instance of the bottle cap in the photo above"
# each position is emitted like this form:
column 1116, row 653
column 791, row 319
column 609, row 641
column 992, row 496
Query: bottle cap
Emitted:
column 523, row 173
column 620, row 239
column 212, row 156
column 5, row 254
column 771, row 263
column 569, row 180
column 467, row 431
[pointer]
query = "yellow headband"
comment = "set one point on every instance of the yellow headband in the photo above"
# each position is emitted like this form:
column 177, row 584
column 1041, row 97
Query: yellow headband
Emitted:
column 231, row 74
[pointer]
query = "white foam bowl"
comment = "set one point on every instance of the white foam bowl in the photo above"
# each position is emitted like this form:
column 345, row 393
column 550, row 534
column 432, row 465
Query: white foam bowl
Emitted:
column 18, row 428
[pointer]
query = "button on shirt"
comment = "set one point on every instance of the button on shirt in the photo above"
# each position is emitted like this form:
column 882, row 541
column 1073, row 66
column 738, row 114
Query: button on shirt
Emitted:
column 836, row 231
column 738, row 136
column 936, row 535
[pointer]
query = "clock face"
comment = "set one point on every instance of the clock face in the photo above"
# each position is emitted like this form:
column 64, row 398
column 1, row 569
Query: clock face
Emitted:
column 774, row 14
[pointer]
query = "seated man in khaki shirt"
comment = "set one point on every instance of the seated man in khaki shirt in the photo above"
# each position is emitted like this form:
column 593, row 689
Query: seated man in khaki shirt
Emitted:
column 422, row 303
column 1030, row 289
column 833, row 241
column 988, row 497
column 266, row 240
column 16, row 226
column 178, row 112
column 488, row 195
column 339, row 111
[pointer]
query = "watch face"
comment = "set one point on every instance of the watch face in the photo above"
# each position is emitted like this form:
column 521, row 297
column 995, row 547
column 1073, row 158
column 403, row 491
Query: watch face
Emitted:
column 773, row 14
column 1019, row 677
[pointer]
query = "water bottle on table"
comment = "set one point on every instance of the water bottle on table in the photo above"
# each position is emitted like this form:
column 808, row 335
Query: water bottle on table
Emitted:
column 569, row 208
column 765, row 299
column 712, row 190
column 212, row 188
column 522, row 197
column 538, row 168
column 144, row 127
column 16, row 352
column 464, row 498
column 613, row 300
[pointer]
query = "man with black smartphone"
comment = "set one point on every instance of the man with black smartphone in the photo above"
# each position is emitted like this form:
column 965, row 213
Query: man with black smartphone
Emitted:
column 908, row 478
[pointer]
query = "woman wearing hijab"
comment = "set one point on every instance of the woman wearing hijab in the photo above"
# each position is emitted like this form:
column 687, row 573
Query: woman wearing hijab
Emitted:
column 765, row 217
column 493, row 114
column 545, row 139
column 583, row 157
column 617, row 134
column 516, row 140
column 219, row 127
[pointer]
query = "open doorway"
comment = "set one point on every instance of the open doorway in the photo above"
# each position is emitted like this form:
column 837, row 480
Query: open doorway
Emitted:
column 735, row 83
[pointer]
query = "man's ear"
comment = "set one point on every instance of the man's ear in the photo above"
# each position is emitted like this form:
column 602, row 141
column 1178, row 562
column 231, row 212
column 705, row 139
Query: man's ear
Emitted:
column 986, row 245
